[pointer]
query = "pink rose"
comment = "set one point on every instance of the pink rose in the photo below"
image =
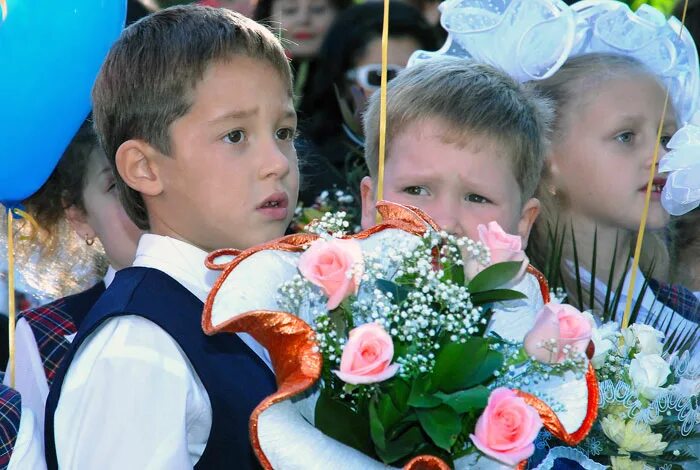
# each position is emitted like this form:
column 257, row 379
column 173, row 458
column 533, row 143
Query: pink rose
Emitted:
column 367, row 356
column 502, row 247
column 336, row 266
column 507, row 428
column 557, row 326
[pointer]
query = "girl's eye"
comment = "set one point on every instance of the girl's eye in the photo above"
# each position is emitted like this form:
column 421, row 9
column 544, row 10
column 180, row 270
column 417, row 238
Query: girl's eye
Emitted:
column 415, row 191
column 289, row 11
column 625, row 137
column 285, row 134
column 477, row 199
column 234, row 137
column 318, row 9
column 665, row 139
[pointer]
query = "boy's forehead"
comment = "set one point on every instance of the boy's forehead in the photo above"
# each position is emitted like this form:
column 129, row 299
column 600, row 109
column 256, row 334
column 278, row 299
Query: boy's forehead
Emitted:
column 236, row 86
column 436, row 128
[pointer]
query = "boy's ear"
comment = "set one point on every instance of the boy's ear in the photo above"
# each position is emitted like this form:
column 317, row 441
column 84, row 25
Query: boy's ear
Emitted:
column 529, row 214
column 137, row 164
column 369, row 205
column 78, row 220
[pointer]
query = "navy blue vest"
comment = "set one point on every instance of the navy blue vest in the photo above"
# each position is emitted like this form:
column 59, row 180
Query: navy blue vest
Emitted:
column 235, row 378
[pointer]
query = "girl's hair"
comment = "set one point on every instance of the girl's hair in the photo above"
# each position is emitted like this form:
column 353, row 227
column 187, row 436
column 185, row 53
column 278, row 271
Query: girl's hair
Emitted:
column 345, row 42
column 685, row 249
column 571, row 85
column 64, row 188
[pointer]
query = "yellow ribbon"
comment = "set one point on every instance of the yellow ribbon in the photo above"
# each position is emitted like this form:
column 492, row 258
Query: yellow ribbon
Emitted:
column 11, row 307
column 382, row 105
column 11, row 293
column 647, row 199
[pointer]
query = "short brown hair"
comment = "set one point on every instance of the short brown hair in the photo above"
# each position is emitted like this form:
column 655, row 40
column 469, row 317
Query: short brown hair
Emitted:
column 472, row 99
column 146, row 82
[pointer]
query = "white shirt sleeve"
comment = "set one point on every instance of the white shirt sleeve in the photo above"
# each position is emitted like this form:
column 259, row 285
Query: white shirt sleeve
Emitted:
column 29, row 446
column 131, row 399
column 30, row 378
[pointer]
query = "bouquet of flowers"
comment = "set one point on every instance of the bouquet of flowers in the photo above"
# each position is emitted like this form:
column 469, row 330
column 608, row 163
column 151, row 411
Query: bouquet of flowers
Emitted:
column 411, row 365
column 649, row 411
column 336, row 201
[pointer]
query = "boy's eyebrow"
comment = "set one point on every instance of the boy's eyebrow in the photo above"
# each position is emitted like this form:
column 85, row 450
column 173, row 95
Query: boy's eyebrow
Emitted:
column 238, row 114
column 289, row 113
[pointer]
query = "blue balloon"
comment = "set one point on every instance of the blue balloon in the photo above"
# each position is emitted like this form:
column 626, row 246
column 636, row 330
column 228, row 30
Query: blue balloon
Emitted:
column 50, row 53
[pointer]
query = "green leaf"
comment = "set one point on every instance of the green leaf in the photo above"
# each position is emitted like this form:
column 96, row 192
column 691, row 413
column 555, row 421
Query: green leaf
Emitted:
column 459, row 366
column 495, row 276
column 337, row 420
column 399, row 293
column 457, row 274
column 399, row 391
column 421, row 395
column 442, row 424
column 388, row 414
column 402, row 446
column 474, row 398
column 496, row 295
column 376, row 427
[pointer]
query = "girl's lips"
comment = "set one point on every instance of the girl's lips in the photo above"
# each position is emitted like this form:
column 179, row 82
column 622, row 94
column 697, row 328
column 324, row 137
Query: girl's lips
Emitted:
column 657, row 186
column 303, row 36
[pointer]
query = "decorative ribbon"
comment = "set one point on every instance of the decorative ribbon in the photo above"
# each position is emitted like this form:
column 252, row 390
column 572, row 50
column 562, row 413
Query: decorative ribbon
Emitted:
column 382, row 105
column 11, row 307
column 647, row 199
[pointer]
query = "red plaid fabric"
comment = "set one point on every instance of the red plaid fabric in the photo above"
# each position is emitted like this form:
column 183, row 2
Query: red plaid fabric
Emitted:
column 50, row 324
column 10, row 414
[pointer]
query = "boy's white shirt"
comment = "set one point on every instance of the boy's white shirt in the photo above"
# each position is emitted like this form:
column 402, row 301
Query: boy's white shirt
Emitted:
column 30, row 377
column 131, row 398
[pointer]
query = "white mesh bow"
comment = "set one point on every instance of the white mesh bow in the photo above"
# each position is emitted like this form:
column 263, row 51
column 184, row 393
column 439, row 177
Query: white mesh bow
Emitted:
column 610, row 26
column 681, row 194
column 528, row 39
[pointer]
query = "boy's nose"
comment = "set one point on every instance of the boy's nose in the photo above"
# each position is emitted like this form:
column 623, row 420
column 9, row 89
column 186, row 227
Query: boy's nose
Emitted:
column 447, row 219
column 275, row 162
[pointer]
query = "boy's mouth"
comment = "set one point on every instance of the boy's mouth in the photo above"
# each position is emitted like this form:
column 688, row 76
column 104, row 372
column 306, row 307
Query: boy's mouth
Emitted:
column 275, row 207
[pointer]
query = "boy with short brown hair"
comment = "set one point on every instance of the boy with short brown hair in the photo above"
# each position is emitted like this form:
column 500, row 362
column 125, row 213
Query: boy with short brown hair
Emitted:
column 193, row 106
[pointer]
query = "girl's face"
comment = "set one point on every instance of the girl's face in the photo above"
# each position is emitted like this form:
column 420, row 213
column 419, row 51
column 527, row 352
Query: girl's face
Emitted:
column 104, row 216
column 602, row 163
column 304, row 24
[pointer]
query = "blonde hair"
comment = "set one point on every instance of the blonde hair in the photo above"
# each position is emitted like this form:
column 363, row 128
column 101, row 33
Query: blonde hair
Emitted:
column 568, row 89
column 471, row 98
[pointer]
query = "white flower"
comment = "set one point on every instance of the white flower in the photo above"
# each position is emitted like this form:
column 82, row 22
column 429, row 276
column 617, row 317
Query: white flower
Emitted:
column 604, row 340
column 648, row 338
column 649, row 373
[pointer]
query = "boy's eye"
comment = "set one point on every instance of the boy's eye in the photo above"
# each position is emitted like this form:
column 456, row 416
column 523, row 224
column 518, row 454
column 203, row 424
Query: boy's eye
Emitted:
column 477, row 199
column 285, row 134
column 416, row 191
column 625, row 137
column 234, row 137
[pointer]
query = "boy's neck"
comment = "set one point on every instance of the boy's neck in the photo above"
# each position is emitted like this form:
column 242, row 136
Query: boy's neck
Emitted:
column 593, row 236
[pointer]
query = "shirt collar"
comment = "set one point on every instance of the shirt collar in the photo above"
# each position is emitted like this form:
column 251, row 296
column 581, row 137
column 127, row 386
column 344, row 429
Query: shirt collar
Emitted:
column 109, row 276
column 179, row 260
